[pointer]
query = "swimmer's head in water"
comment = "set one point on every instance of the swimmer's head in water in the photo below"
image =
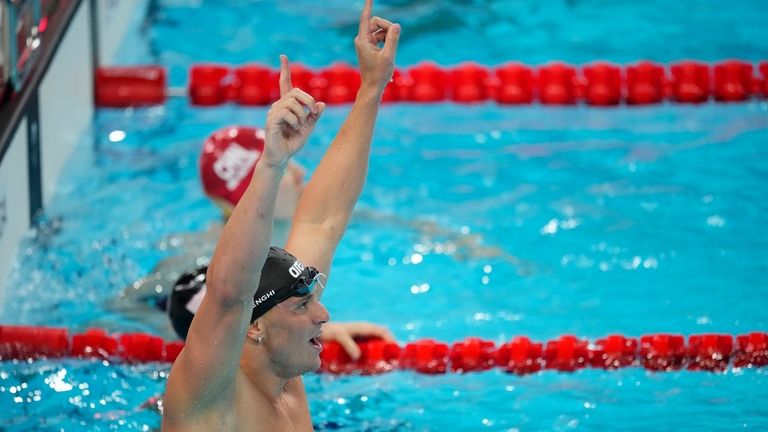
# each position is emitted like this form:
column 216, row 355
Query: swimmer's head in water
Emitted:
column 282, row 277
column 226, row 166
column 227, row 161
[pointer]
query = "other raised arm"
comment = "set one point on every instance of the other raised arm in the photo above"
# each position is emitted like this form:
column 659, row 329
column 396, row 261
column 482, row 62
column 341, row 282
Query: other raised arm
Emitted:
column 326, row 204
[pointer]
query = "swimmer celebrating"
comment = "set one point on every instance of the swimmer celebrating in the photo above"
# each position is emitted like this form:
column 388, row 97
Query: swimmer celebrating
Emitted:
column 257, row 327
column 226, row 167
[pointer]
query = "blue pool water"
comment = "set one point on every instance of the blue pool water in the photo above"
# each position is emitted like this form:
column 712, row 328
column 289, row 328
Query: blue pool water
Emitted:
column 475, row 221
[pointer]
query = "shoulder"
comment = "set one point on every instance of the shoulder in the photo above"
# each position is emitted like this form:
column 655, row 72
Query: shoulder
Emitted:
column 182, row 412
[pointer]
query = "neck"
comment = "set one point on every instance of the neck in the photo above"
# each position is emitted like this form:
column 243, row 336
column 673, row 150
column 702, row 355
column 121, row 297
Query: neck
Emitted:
column 262, row 373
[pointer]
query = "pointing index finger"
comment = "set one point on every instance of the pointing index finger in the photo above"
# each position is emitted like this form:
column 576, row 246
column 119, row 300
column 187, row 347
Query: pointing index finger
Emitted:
column 365, row 17
column 285, row 76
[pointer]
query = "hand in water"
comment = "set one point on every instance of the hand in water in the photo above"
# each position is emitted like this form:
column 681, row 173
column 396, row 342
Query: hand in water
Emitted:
column 344, row 333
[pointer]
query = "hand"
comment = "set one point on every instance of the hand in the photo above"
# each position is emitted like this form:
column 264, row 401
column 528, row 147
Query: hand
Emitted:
column 344, row 334
column 376, row 64
column 290, row 120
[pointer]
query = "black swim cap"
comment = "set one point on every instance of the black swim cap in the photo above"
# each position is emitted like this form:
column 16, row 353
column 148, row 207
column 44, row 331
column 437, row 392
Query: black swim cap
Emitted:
column 185, row 298
column 282, row 276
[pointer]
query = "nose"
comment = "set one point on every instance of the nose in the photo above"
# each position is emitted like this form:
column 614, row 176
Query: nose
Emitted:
column 321, row 314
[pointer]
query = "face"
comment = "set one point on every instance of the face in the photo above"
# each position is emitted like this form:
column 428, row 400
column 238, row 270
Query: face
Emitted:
column 292, row 334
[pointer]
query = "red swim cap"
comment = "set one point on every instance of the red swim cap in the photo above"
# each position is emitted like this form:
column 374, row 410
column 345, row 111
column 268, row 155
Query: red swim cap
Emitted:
column 227, row 162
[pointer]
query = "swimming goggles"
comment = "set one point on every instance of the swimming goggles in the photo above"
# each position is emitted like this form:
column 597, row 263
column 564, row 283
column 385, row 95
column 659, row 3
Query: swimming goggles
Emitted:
column 306, row 284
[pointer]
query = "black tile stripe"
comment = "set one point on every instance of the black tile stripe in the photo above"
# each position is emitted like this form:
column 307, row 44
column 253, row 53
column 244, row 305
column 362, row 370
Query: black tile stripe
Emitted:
column 33, row 156
column 95, row 58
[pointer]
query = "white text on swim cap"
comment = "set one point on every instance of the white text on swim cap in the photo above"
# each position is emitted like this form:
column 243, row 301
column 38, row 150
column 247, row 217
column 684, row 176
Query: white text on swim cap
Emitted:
column 234, row 164
column 296, row 269
column 263, row 298
column 196, row 301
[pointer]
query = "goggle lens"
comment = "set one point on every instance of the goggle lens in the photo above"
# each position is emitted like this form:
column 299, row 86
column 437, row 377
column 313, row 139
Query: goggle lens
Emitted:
column 304, row 286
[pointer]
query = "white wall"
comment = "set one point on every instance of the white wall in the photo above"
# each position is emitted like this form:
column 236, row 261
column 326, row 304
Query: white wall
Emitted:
column 66, row 99
column 66, row 93
column 14, row 202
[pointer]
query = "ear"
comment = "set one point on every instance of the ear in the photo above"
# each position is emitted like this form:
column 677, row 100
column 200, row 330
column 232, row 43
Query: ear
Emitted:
column 255, row 333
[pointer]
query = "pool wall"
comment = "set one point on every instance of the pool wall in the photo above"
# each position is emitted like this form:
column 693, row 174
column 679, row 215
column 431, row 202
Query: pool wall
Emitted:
column 43, row 122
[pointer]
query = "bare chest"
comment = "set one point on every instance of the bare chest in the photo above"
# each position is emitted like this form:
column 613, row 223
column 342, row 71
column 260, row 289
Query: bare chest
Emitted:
column 248, row 411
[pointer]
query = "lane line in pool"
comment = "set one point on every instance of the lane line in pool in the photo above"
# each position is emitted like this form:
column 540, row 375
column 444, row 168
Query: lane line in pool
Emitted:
column 568, row 353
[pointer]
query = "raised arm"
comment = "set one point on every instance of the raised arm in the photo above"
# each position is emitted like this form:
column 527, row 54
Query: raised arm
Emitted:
column 207, row 365
column 326, row 204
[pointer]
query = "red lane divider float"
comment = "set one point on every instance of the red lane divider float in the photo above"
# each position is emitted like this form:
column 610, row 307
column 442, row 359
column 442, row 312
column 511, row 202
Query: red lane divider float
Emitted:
column 658, row 352
column 600, row 84
column 130, row 86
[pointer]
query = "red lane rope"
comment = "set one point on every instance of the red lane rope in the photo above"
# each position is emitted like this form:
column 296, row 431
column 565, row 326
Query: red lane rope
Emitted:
column 656, row 352
column 600, row 83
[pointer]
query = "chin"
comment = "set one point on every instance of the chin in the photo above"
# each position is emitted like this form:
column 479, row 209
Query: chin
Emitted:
column 316, row 365
column 312, row 365
column 307, row 369
column 308, row 364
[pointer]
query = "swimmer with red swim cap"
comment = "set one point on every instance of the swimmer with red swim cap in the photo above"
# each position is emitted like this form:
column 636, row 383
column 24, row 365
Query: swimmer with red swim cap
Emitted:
column 256, row 329
column 226, row 167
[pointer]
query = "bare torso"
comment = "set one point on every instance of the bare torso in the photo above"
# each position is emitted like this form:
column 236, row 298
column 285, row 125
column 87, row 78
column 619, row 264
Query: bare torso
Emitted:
column 245, row 409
